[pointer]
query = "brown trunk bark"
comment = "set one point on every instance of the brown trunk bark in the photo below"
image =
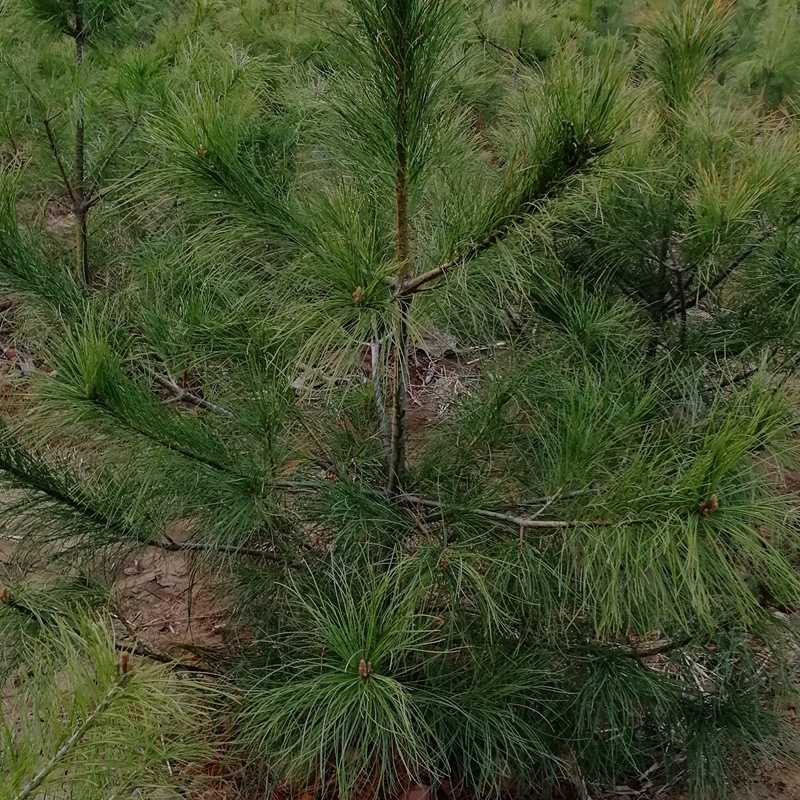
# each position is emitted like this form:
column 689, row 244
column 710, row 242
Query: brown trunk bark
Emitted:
column 400, row 342
column 81, row 206
column 397, row 456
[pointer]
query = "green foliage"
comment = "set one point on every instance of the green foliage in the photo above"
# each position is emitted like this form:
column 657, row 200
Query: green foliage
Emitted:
column 336, row 701
column 29, row 272
column 682, row 45
column 769, row 67
column 572, row 229
column 80, row 722
column 72, row 18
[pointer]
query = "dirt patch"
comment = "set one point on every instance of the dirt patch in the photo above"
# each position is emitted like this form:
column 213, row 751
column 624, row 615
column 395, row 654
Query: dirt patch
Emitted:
column 434, row 385
column 162, row 600
column 789, row 482
column 780, row 783
column 171, row 605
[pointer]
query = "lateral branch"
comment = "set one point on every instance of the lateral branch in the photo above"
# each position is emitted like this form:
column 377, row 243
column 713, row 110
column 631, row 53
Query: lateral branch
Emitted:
column 187, row 396
column 509, row 519
column 30, row 789
column 545, row 187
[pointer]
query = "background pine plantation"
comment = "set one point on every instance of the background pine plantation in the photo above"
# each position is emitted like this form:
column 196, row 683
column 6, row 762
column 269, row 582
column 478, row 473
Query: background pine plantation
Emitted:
column 456, row 344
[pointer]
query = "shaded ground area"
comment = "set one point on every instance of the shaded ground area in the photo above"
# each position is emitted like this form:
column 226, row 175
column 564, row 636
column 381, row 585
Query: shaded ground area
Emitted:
column 169, row 605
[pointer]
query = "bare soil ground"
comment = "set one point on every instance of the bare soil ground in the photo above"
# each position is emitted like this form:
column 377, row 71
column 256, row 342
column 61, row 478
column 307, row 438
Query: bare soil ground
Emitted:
column 169, row 605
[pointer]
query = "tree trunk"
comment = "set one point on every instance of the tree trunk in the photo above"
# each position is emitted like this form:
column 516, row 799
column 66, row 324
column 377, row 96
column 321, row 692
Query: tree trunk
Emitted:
column 400, row 342
column 81, row 206
column 397, row 456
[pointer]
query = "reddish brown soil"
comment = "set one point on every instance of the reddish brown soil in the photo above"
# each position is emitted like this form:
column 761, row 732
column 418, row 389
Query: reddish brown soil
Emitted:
column 169, row 605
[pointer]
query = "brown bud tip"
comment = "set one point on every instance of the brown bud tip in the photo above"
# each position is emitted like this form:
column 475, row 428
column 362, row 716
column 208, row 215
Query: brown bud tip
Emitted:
column 124, row 665
column 201, row 148
column 358, row 295
column 364, row 669
column 5, row 595
column 709, row 506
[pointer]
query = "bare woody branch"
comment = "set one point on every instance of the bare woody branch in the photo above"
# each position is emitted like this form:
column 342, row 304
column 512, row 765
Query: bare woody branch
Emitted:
column 51, row 140
column 143, row 650
column 186, row 396
column 94, row 191
column 484, row 39
column 375, row 375
column 415, row 284
column 538, row 502
column 508, row 519
column 679, row 306
column 172, row 546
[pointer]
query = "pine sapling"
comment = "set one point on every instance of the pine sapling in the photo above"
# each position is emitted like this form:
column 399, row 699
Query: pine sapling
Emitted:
column 81, row 21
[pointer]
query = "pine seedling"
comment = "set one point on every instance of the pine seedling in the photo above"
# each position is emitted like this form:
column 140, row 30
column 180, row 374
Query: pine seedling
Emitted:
column 82, row 22
column 481, row 413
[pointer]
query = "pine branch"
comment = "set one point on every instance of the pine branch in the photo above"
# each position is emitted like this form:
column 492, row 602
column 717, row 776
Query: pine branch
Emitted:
column 400, row 347
column 94, row 191
column 509, row 519
column 543, row 501
column 403, row 59
column 680, row 307
column 30, row 788
column 138, row 649
column 375, row 370
column 51, row 139
column 677, row 266
column 146, row 651
column 483, row 38
column 46, row 484
column 544, row 189
column 657, row 649
column 81, row 202
column 416, row 283
column 168, row 443
column 187, row 396
column 683, row 304
column 172, row 546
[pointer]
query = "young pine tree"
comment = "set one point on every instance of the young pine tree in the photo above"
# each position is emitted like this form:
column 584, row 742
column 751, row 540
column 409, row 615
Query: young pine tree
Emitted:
column 482, row 365
column 82, row 157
